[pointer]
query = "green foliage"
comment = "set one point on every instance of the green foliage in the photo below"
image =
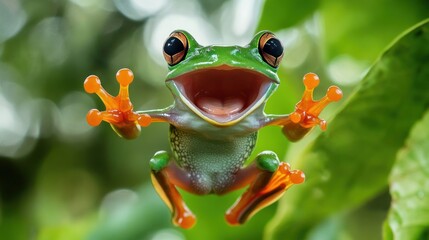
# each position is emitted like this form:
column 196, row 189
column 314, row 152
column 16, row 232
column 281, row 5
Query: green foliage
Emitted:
column 409, row 186
column 278, row 14
column 344, row 171
column 361, row 28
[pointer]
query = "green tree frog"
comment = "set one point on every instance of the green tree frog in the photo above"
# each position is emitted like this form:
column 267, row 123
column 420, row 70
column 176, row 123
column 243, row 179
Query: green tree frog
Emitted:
column 219, row 97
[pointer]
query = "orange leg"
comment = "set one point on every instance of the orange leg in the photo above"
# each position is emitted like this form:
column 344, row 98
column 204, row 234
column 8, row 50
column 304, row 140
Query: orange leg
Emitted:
column 272, row 180
column 165, row 177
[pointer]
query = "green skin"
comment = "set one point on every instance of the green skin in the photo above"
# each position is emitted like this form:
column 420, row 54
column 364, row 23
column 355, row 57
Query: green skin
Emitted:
column 209, row 151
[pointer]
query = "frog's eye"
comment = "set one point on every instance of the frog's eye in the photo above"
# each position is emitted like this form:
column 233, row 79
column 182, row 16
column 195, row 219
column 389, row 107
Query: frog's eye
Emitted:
column 175, row 48
column 270, row 49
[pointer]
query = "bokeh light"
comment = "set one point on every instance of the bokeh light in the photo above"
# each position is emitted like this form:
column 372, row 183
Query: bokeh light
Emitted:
column 138, row 10
column 12, row 18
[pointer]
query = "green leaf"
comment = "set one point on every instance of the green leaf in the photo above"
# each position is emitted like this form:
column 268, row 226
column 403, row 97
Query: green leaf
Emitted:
column 279, row 14
column 350, row 162
column 409, row 186
column 362, row 28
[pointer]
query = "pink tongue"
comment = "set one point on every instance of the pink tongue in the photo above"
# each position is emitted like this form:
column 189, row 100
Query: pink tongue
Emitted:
column 217, row 107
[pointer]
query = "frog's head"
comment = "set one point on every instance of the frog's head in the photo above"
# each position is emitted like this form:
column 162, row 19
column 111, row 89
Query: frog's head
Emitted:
column 222, row 84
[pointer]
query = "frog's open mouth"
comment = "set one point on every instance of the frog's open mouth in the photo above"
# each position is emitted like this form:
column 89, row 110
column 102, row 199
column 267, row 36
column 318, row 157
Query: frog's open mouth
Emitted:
column 223, row 94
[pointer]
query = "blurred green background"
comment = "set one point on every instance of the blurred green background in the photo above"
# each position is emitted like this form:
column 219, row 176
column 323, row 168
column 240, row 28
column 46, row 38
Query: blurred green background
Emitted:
column 61, row 179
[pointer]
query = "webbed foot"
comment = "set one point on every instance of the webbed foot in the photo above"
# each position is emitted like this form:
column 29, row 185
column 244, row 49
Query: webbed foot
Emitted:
column 274, row 179
column 162, row 175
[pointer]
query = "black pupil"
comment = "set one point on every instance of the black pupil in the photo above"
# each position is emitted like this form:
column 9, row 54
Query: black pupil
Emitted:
column 173, row 45
column 273, row 47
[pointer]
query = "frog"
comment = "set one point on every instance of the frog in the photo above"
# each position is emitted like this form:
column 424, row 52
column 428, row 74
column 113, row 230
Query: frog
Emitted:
column 219, row 94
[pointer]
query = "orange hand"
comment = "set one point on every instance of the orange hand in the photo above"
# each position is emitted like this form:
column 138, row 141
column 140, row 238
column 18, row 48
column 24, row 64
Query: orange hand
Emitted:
column 119, row 109
column 307, row 110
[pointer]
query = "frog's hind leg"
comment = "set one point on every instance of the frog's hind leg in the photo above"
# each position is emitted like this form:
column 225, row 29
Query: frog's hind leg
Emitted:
column 268, row 179
column 165, row 177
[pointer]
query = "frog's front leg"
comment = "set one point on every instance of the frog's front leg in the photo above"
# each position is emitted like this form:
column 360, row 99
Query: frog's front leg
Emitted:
column 119, row 110
column 306, row 114
column 268, row 179
column 166, row 175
